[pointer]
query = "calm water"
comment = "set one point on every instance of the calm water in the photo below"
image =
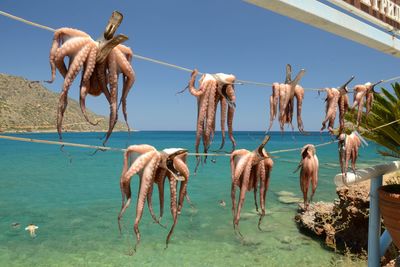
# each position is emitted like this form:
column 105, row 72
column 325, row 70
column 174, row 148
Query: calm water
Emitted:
column 74, row 198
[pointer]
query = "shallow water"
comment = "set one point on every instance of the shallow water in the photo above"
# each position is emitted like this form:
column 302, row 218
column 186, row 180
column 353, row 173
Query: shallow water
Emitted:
column 74, row 198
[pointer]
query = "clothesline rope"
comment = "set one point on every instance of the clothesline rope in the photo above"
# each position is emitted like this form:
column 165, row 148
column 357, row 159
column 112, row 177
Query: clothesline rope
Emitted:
column 104, row 148
column 262, row 84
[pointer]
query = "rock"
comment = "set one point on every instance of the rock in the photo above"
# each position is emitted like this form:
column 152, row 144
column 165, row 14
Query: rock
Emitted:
column 289, row 199
column 285, row 193
column 343, row 224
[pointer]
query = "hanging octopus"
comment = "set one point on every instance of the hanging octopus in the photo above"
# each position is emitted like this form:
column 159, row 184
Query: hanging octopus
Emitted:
column 249, row 170
column 214, row 89
column 348, row 150
column 309, row 172
column 334, row 98
column 360, row 91
column 101, row 62
column 284, row 93
column 153, row 167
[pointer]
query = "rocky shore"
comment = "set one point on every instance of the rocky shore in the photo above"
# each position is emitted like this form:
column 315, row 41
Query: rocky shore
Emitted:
column 343, row 224
column 27, row 106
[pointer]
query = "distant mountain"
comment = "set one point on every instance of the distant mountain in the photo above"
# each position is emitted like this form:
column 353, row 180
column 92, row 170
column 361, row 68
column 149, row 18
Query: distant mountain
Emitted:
column 29, row 106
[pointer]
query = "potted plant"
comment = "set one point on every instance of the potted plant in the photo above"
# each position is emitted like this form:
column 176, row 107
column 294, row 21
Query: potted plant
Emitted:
column 382, row 125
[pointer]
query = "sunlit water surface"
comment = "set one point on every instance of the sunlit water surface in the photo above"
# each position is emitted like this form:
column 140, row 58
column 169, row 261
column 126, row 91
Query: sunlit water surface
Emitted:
column 74, row 198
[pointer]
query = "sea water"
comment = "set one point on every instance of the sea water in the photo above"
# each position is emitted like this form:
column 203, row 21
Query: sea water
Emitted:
column 73, row 196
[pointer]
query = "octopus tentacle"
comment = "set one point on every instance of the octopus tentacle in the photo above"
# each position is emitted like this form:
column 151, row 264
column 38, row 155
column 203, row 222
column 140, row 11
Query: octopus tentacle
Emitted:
column 113, row 81
column 314, row 177
column 150, row 206
column 223, row 121
column 234, row 159
column 174, row 210
column 192, row 88
column 101, row 75
column 262, row 177
column 217, row 99
column 331, row 107
column 210, row 115
column 160, row 185
column 253, row 182
column 70, row 48
column 203, row 103
column 58, row 39
column 147, row 180
column 243, row 189
column 299, row 94
column 181, row 167
column 129, row 77
column 85, row 83
column 268, row 164
column 231, row 113
column 126, row 175
column 273, row 103
column 230, row 92
column 370, row 100
column 73, row 71
column 343, row 108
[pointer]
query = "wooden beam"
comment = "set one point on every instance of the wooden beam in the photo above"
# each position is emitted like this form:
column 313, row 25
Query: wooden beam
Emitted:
column 329, row 19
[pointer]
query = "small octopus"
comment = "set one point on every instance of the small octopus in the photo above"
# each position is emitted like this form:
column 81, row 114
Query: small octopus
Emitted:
column 32, row 229
column 249, row 170
column 284, row 93
column 360, row 91
column 101, row 62
column 153, row 167
column 336, row 98
column 309, row 172
column 214, row 89
column 348, row 150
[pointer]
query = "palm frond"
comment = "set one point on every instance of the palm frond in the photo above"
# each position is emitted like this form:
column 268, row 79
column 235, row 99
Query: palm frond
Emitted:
column 385, row 109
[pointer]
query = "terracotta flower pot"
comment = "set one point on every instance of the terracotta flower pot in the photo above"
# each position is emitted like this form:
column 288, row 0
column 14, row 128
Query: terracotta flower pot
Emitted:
column 389, row 204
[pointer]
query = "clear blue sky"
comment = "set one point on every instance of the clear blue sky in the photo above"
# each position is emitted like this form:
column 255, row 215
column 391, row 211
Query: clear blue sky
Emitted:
column 211, row 35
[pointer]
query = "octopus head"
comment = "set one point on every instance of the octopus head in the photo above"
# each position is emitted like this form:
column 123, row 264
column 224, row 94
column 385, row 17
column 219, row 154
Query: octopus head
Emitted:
column 167, row 161
column 226, row 87
column 308, row 151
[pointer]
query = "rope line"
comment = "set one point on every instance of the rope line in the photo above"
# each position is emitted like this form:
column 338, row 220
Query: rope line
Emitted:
column 104, row 148
column 384, row 125
column 45, row 125
column 26, row 21
column 261, row 84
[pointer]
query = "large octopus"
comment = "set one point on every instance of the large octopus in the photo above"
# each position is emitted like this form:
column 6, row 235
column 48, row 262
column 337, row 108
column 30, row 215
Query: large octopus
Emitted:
column 334, row 98
column 101, row 62
column 284, row 93
column 249, row 169
column 360, row 91
column 348, row 150
column 213, row 89
column 153, row 167
column 308, row 172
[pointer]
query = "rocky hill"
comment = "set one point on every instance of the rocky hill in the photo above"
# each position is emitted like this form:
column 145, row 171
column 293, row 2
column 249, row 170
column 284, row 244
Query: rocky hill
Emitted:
column 29, row 106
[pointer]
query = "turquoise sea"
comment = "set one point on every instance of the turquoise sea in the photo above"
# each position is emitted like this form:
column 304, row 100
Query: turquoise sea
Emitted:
column 74, row 198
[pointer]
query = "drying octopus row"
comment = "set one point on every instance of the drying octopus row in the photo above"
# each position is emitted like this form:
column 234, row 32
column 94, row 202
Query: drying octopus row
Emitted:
column 101, row 62
column 337, row 98
column 284, row 94
column 250, row 171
